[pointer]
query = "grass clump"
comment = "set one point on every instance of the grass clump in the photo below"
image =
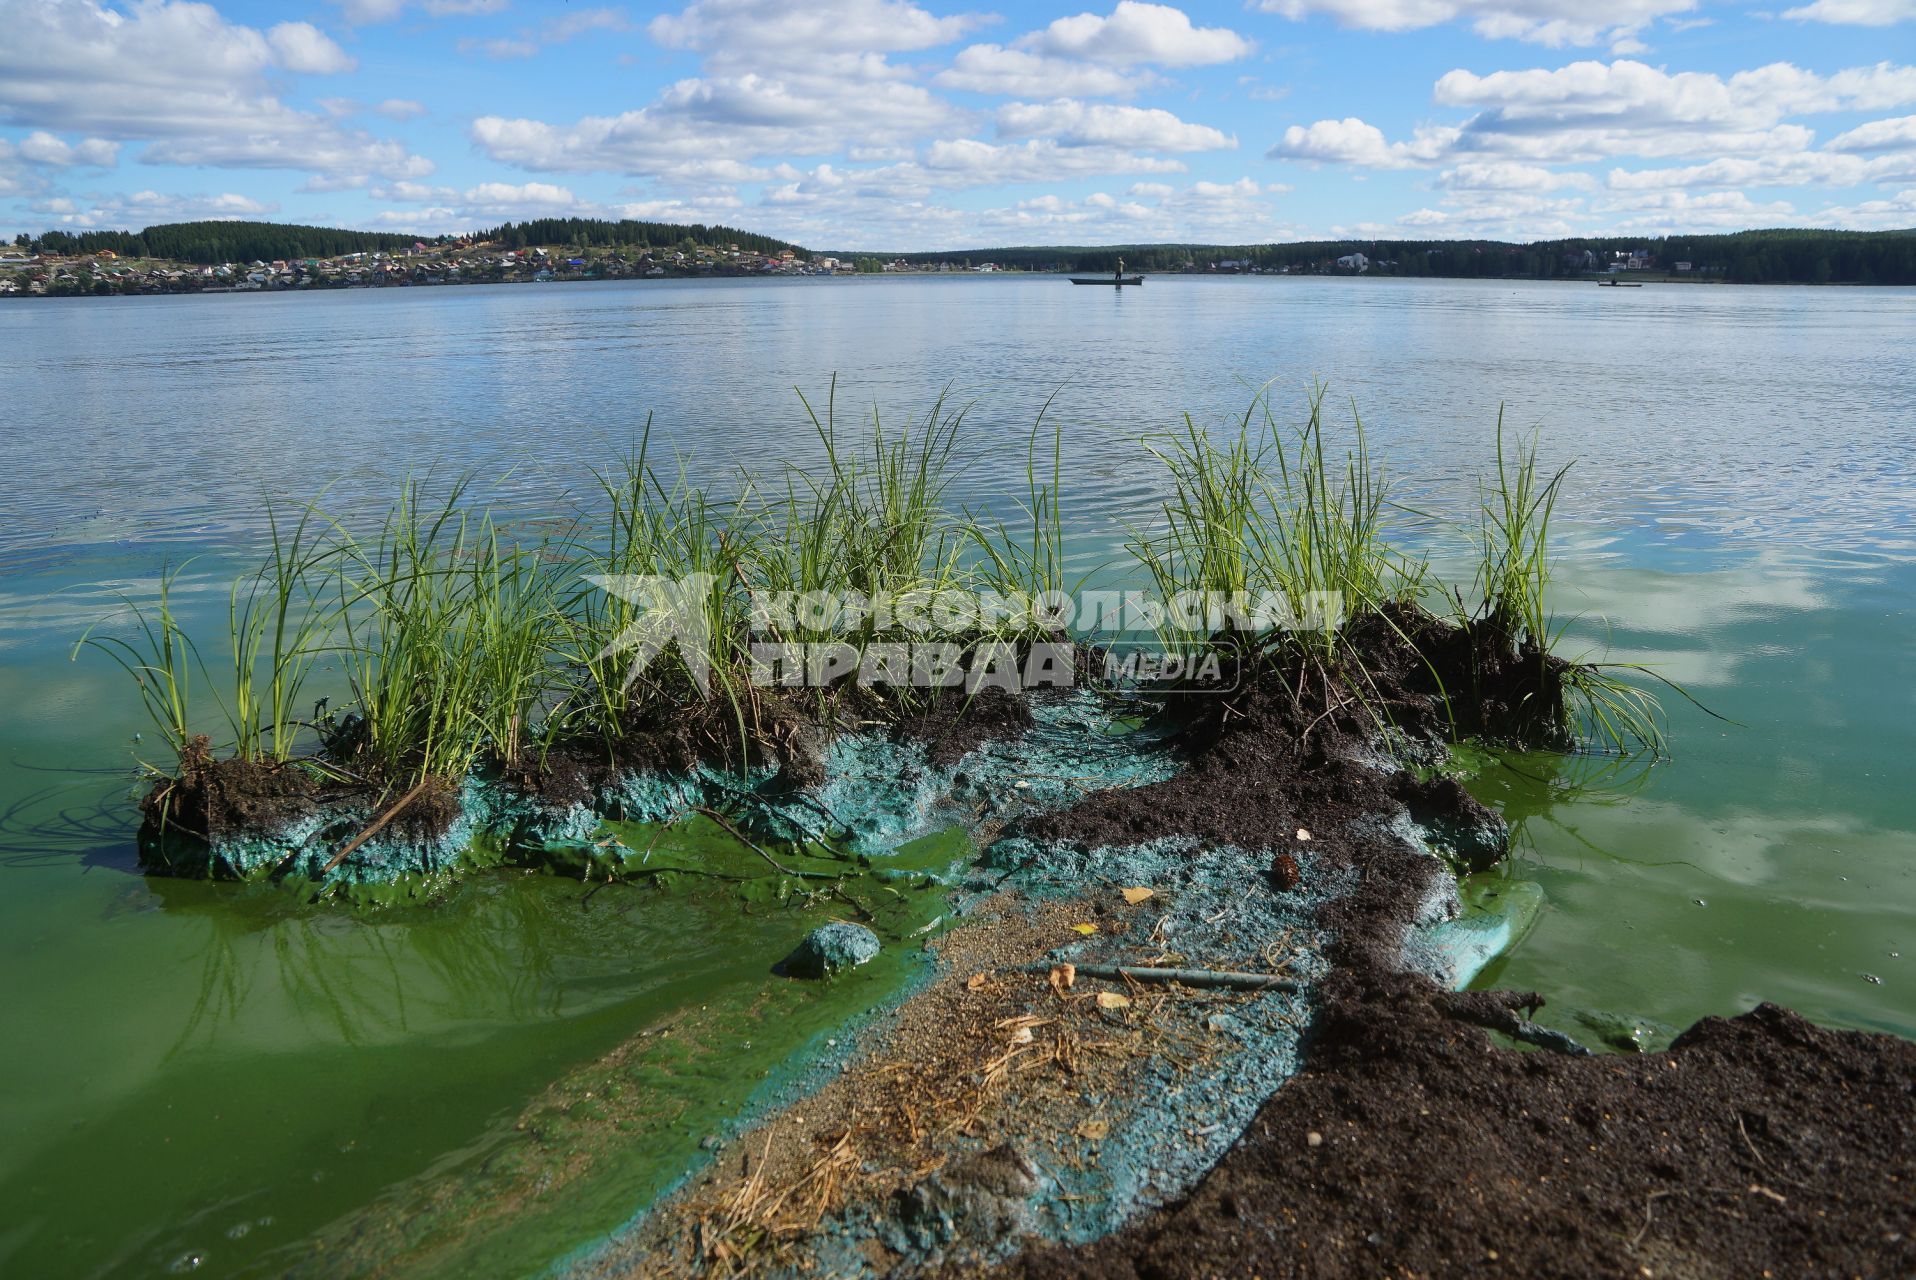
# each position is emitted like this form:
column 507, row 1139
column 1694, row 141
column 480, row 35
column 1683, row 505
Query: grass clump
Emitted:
column 448, row 645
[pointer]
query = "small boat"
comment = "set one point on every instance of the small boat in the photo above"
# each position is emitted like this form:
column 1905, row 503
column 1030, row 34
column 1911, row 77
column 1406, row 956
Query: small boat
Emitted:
column 1115, row 279
column 1620, row 284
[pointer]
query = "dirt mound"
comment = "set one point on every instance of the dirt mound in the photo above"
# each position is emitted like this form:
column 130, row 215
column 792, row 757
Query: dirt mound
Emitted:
column 1416, row 1145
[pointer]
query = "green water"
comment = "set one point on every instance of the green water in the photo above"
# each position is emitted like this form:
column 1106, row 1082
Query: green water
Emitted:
column 1772, row 858
column 202, row 1077
column 185, row 1060
column 214, row 1076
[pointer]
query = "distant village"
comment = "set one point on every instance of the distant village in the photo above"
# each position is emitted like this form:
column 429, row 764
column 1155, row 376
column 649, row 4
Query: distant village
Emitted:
column 25, row 272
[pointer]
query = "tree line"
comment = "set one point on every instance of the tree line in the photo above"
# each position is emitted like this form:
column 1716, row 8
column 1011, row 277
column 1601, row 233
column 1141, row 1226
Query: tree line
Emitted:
column 210, row 243
column 216, row 242
column 1746, row 257
column 595, row 233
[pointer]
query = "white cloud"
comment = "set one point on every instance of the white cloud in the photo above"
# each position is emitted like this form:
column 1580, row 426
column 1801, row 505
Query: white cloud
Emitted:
column 41, row 147
column 534, row 197
column 1666, row 212
column 303, row 47
column 363, row 12
column 321, row 184
column 1548, row 22
column 1134, row 33
column 753, row 29
column 180, row 75
column 967, row 162
column 1352, row 141
column 1861, row 13
column 1625, row 93
column 145, row 208
column 1504, row 175
column 1894, row 214
column 1878, row 135
column 990, row 68
column 1593, row 111
column 414, row 193
column 1078, row 124
column 1806, row 168
column 742, row 116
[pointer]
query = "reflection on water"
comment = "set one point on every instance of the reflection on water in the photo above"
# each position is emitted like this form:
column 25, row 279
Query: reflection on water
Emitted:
column 193, row 1059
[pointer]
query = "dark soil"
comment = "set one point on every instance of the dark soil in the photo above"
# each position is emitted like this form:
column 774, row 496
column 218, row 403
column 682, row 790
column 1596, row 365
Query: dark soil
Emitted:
column 955, row 725
column 1416, row 1145
column 213, row 799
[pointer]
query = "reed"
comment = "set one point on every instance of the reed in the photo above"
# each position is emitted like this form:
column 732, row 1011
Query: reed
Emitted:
column 463, row 644
column 1025, row 562
column 278, row 624
column 160, row 658
column 1324, row 548
column 446, row 641
column 1513, row 569
column 1278, row 516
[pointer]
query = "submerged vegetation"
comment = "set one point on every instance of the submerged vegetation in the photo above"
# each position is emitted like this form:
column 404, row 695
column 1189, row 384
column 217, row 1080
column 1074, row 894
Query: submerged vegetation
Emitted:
column 671, row 628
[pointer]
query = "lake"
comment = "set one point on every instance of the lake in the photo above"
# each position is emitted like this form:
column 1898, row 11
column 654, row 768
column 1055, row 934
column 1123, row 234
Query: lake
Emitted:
column 203, row 1075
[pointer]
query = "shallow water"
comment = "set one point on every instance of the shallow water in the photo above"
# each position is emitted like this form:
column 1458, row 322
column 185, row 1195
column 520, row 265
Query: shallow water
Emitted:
column 192, row 1058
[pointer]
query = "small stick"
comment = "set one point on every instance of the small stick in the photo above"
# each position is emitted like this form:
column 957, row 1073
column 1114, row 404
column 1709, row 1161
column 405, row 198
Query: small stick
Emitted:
column 373, row 830
column 1183, row 977
column 743, row 839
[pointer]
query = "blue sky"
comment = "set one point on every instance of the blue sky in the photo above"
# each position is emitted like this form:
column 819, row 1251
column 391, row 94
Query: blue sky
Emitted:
column 911, row 124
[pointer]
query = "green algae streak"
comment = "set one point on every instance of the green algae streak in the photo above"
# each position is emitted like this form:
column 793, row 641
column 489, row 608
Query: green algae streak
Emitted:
column 612, row 1135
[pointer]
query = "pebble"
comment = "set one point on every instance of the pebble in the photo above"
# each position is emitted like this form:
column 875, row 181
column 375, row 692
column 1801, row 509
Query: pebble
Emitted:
column 1314, row 1138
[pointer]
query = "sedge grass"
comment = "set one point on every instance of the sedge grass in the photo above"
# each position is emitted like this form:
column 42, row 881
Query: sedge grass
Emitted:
column 460, row 642
column 279, row 624
column 160, row 658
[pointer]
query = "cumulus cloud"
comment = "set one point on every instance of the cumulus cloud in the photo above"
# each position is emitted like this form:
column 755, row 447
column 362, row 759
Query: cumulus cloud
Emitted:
column 1860, row 13
column 1078, row 124
column 744, row 116
column 1592, row 111
column 1878, row 135
column 752, row 29
column 990, row 68
column 1548, row 22
column 1352, row 141
column 506, row 197
column 1137, row 32
column 363, row 12
column 303, row 47
column 1807, row 168
column 41, row 147
column 179, row 75
column 1504, row 175
column 1665, row 212
column 144, row 208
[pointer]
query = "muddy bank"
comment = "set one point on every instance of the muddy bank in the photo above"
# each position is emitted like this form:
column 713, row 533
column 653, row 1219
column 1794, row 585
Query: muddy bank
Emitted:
column 1756, row 1146
column 1014, row 1116
column 1414, row 1143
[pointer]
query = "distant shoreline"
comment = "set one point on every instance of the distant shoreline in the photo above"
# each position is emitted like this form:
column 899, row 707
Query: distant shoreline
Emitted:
column 679, row 278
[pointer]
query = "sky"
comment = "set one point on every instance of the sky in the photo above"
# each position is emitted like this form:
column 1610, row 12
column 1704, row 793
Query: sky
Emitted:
column 917, row 124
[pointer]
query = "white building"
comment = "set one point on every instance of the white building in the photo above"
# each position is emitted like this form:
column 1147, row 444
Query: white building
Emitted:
column 1354, row 262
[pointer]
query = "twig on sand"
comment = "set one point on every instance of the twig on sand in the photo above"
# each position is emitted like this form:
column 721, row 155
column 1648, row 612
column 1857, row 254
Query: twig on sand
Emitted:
column 1216, row 978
